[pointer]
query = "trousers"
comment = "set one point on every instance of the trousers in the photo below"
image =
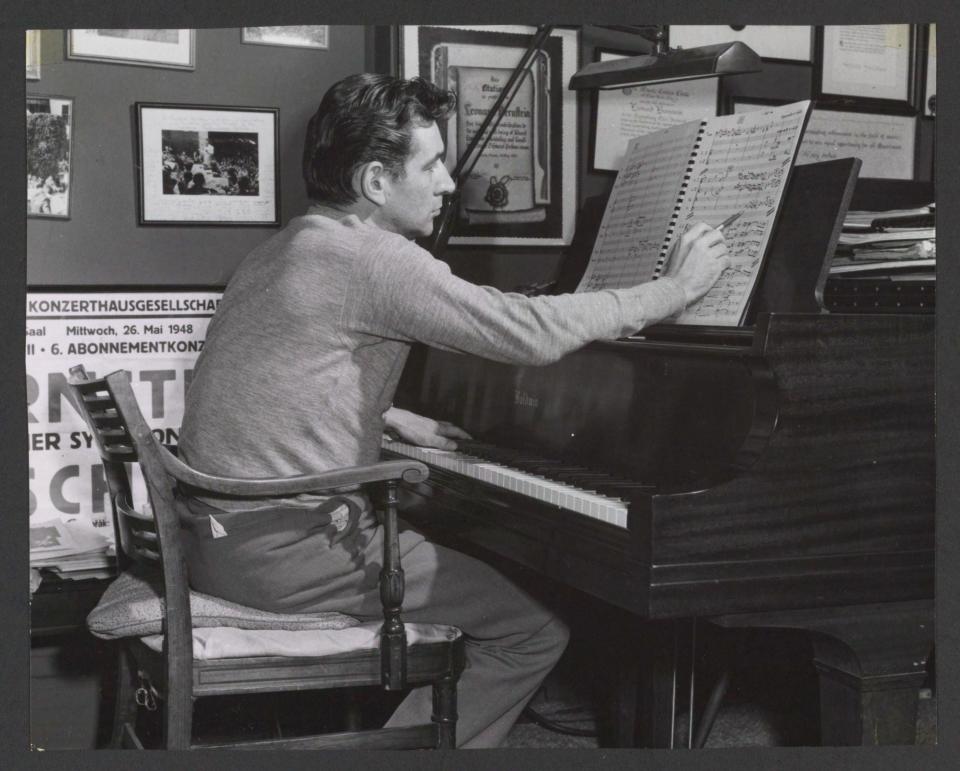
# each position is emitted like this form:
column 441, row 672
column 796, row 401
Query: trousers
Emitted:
column 292, row 560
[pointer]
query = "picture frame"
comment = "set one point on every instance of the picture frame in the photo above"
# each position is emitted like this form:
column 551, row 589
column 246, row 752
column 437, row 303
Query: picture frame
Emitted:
column 33, row 54
column 167, row 48
column 523, row 190
column 789, row 43
column 207, row 165
column 626, row 113
column 886, row 143
column 295, row 36
column 867, row 66
column 49, row 156
column 930, row 74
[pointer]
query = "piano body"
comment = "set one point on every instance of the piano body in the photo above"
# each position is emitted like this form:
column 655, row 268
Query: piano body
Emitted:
column 779, row 474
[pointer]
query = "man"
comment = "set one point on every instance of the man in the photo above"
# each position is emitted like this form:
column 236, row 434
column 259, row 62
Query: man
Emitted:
column 300, row 366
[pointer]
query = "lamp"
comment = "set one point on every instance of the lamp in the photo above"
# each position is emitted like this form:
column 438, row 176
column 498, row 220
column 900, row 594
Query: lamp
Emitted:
column 664, row 65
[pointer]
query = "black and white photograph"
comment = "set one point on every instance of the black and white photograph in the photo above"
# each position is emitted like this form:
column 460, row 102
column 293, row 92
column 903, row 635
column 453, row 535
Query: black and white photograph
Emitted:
column 174, row 48
column 294, row 36
column 223, row 159
column 561, row 386
column 210, row 163
column 49, row 144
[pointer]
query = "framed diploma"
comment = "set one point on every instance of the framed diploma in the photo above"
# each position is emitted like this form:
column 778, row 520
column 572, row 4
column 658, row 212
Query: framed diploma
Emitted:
column 208, row 165
column 522, row 190
column 867, row 65
column 631, row 112
column 775, row 42
column 885, row 143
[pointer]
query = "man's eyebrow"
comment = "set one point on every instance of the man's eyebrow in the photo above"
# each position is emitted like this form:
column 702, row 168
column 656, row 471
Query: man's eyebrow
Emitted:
column 435, row 158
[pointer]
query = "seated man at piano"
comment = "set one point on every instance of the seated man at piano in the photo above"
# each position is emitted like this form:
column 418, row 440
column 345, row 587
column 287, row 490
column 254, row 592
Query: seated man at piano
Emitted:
column 317, row 323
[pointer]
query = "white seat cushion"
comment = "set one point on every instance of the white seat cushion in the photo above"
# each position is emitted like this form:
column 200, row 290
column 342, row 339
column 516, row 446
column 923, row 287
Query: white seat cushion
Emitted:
column 131, row 607
column 230, row 642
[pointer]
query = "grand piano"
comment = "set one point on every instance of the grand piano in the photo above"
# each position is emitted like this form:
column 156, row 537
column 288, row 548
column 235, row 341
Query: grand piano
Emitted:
column 779, row 474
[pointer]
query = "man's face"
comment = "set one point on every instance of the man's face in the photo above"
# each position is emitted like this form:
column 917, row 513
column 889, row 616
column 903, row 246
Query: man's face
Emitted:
column 413, row 200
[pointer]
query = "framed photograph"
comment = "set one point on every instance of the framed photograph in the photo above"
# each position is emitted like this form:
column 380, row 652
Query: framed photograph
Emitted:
column 173, row 48
column 870, row 66
column 299, row 36
column 205, row 165
column 779, row 42
column 522, row 190
column 49, row 139
column 884, row 142
column 33, row 54
column 930, row 78
column 631, row 112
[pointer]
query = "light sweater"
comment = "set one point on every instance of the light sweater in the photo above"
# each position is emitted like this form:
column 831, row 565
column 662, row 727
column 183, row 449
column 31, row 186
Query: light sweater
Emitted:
column 305, row 351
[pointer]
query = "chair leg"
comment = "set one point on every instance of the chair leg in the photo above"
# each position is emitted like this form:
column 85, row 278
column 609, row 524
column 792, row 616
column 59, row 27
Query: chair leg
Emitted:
column 125, row 707
column 177, row 719
column 445, row 712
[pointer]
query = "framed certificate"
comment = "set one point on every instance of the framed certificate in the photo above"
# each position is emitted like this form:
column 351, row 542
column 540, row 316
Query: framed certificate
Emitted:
column 630, row 112
column 522, row 190
column 867, row 65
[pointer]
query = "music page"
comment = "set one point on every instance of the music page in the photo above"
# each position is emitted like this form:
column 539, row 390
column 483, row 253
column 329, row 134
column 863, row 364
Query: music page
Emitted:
column 742, row 165
column 641, row 206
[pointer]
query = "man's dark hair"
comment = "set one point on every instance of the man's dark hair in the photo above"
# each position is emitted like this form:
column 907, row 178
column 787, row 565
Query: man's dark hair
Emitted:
column 366, row 118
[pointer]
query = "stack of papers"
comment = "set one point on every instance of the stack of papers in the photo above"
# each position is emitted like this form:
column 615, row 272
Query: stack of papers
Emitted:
column 72, row 548
column 887, row 242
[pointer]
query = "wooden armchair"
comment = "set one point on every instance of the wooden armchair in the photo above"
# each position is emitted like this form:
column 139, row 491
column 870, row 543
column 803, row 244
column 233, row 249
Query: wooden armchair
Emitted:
column 173, row 669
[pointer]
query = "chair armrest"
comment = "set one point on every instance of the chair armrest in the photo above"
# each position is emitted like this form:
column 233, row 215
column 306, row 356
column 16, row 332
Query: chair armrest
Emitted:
column 384, row 471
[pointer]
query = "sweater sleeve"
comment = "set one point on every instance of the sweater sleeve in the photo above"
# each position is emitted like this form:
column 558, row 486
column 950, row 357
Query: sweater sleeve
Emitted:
column 400, row 291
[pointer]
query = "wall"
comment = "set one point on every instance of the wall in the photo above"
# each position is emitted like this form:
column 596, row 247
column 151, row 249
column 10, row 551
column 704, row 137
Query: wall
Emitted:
column 102, row 243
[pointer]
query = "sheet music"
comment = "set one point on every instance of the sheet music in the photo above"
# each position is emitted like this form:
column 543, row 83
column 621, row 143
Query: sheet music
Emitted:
column 742, row 165
column 640, row 208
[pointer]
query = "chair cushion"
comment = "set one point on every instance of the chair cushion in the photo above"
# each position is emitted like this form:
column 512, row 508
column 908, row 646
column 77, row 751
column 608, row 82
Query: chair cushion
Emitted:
column 228, row 642
column 132, row 607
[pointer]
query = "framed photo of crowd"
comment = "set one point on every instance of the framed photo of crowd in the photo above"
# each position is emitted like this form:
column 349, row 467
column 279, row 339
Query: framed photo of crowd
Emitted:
column 522, row 190
column 49, row 150
column 207, row 165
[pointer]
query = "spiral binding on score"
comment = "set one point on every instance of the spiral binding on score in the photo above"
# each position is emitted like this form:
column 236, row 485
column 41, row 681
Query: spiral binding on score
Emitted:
column 665, row 250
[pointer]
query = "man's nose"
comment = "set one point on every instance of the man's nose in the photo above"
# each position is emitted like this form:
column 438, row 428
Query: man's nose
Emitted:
column 447, row 185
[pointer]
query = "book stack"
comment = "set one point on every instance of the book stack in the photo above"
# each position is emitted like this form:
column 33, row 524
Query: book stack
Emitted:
column 885, row 261
column 72, row 549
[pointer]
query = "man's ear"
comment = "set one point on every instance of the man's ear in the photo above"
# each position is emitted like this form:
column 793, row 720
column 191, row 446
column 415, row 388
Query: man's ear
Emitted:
column 370, row 181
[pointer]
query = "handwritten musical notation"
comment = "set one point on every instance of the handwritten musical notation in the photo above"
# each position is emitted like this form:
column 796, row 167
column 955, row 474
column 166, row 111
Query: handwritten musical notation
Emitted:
column 742, row 164
column 702, row 171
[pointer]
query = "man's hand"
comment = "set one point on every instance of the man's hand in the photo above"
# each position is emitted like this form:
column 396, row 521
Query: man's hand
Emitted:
column 699, row 259
column 421, row 431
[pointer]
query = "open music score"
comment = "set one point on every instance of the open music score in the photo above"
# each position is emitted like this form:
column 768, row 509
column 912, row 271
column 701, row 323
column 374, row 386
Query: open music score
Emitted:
column 702, row 171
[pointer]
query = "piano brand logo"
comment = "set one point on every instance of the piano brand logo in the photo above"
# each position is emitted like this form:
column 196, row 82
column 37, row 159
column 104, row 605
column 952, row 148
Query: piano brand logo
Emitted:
column 523, row 399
